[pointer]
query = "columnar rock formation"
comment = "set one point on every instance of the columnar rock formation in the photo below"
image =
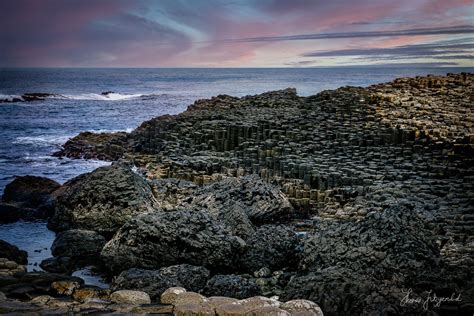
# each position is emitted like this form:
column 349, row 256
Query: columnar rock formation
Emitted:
column 373, row 187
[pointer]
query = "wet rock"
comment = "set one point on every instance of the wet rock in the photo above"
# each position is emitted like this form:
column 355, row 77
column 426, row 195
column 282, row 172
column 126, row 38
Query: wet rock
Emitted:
column 273, row 247
column 155, row 282
column 64, row 287
column 58, row 265
column 161, row 239
column 12, row 252
column 89, row 292
column 130, row 297
column 26, row 285
column 235, row 286
column 102, row 200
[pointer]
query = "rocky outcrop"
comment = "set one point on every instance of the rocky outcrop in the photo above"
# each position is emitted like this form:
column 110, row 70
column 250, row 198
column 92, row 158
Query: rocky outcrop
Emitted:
column 28, row 198
column 379, row 180
column 88, row 145
column 155, row 282
column 162, row 239
column 73, row 249
column 236, row 286
column 273, row 247
column 261, row 202
column 102, row 200
column 12, row 252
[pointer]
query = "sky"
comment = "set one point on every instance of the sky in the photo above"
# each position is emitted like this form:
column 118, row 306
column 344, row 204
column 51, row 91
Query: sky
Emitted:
column 236, row 33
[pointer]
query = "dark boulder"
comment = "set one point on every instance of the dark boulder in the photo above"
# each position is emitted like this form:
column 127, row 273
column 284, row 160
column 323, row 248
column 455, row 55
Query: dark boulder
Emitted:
column 396, row 240
column 73, row 249
column 236, row 286
column 28, row 198
column 271, row 246
column 171, row 192
column 77, row 243
column 12, row 252
column 155, row 282
column 31, row 191
column 262, row 202
column 102, row 200
column 162, row 239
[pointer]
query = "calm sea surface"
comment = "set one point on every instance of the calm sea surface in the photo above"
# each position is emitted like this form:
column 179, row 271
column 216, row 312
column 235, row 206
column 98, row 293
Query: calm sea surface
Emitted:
column 31, row 131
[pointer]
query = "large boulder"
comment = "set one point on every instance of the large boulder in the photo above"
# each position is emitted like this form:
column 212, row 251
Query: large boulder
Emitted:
column 73, row 249
column 102, row 200
column 232, row 285
column 262, row 202
column 396, row 240
column 31, row 191
column 77, row 243
column 157, row 240
column 271, row 246
column 28, row 198
column 12, row 252
column 155, row 282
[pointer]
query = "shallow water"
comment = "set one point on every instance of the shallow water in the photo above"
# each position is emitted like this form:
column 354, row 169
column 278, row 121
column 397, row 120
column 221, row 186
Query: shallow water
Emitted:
column 33, row 237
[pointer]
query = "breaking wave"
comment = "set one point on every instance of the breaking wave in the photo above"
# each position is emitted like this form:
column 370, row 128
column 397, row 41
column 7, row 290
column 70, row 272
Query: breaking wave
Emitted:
column 104, row 96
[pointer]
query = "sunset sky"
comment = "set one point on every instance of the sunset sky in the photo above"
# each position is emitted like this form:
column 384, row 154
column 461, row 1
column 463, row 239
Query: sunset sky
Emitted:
column 235, row 33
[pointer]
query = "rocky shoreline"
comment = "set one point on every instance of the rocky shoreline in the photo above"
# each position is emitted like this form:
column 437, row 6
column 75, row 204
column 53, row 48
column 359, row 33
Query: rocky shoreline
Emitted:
column 346, row 200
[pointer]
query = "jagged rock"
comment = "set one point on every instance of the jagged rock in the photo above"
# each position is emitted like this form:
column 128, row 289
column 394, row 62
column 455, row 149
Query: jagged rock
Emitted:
column 89, row 292
column 161, row 239
column 235, row 286
column 130, row 297
column 89, row 145
column 102, row 200
column 262, row 202
column 155, row 282
column 271, row 246
column 171, row 192
column 396, row 240
column 64, row 287
column 12, row 252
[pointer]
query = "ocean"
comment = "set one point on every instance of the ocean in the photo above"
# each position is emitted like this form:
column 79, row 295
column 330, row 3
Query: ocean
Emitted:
column 31, row 131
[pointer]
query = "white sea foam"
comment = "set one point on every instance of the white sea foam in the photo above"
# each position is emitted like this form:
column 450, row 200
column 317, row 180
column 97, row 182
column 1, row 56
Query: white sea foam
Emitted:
column 103, row 97
column 98, row 131
column 10, row 98
column 43, row 140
